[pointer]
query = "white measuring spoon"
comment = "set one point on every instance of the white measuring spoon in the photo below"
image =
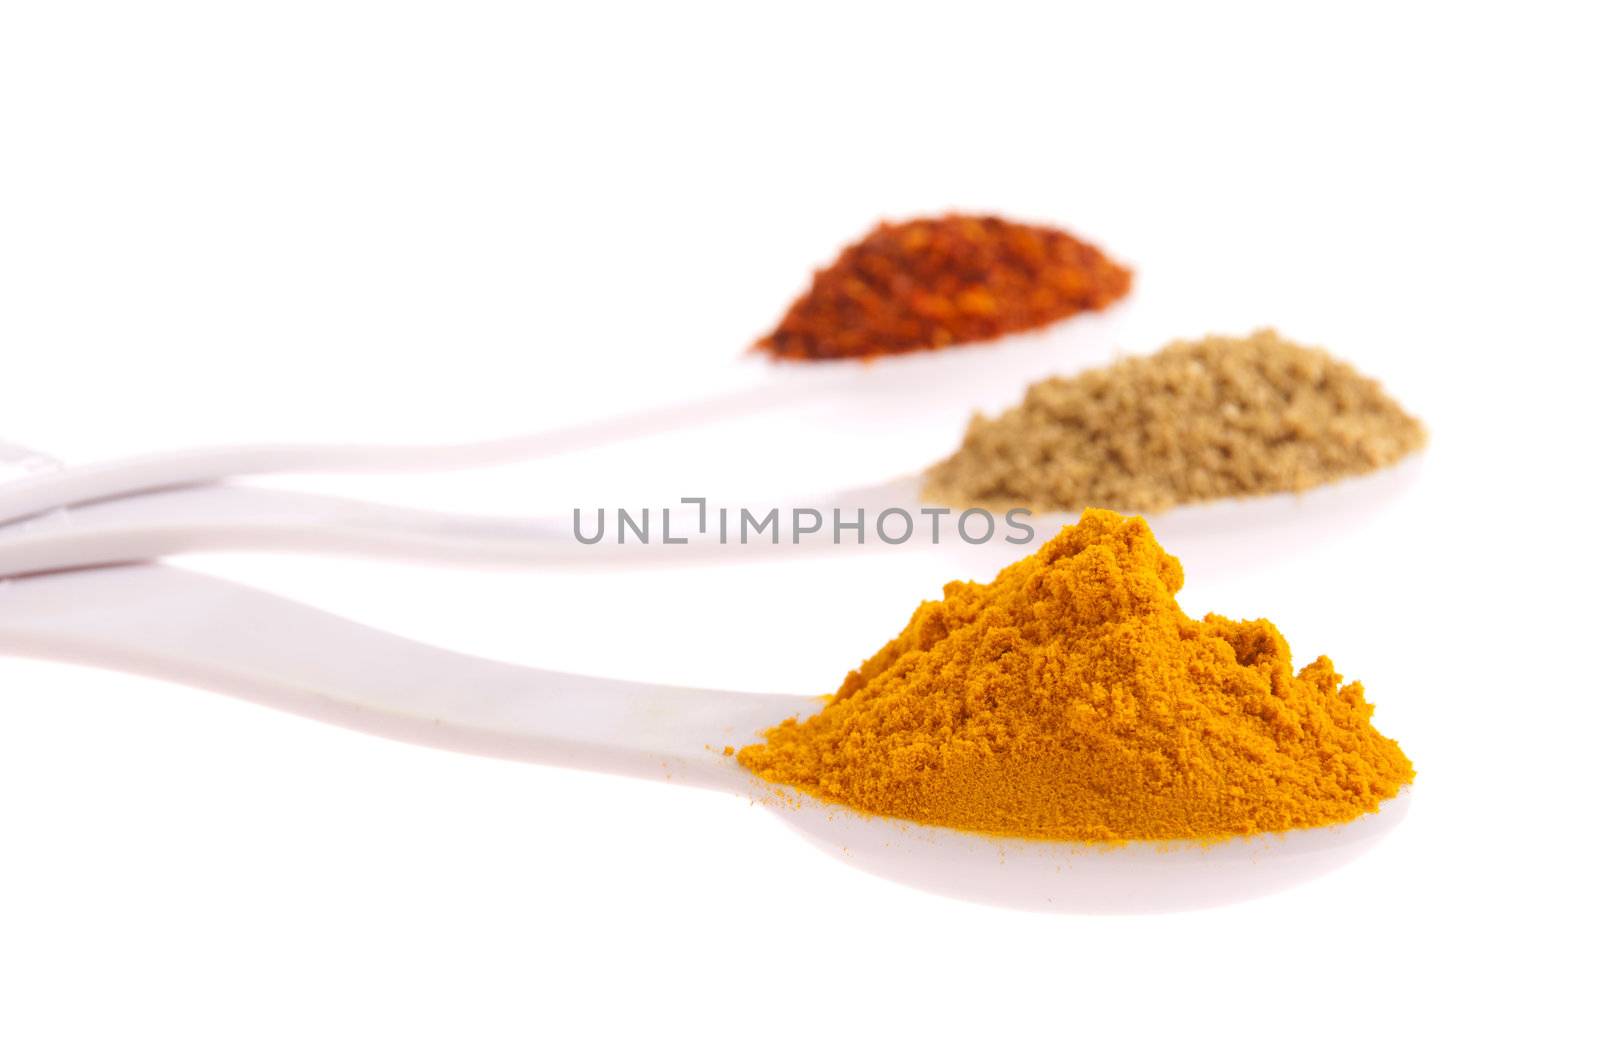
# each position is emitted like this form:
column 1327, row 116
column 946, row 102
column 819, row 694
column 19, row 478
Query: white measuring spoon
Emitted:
column 156, row 524
column 198, row 630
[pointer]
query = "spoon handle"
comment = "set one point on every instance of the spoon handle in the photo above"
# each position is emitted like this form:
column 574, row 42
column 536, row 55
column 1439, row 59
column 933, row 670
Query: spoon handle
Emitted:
column 155, row 524
column 36, row 493
column 206, row 632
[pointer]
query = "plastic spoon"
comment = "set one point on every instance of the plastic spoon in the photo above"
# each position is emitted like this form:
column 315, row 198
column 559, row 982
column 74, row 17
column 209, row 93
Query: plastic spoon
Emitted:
column 156, row 524
column 198, row 630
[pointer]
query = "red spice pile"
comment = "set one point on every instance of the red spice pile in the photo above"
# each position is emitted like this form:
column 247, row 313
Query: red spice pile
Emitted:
column 944, row 280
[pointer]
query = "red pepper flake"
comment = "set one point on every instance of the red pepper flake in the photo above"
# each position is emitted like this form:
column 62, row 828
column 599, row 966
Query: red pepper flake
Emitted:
column 946, row 280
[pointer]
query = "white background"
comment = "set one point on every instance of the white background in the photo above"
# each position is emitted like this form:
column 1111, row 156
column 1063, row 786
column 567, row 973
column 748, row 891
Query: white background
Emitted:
column 409, row 222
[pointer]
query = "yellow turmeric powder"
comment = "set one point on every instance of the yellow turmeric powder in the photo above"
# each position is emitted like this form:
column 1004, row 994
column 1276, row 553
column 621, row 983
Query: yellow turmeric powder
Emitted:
column 1072, row 699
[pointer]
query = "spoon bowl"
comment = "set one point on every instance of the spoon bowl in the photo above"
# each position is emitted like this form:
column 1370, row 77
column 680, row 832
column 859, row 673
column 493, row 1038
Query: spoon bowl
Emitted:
column 1066, row 877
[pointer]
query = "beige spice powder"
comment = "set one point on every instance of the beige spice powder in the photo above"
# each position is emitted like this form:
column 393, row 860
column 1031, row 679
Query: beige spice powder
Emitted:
column 1198, row 420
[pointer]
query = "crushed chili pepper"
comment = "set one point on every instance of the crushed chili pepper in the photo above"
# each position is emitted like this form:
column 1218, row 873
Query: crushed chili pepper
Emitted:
column 933, row 282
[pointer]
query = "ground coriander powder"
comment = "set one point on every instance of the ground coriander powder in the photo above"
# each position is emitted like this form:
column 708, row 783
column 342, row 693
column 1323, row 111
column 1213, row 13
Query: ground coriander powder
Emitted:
column 1198, row 420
